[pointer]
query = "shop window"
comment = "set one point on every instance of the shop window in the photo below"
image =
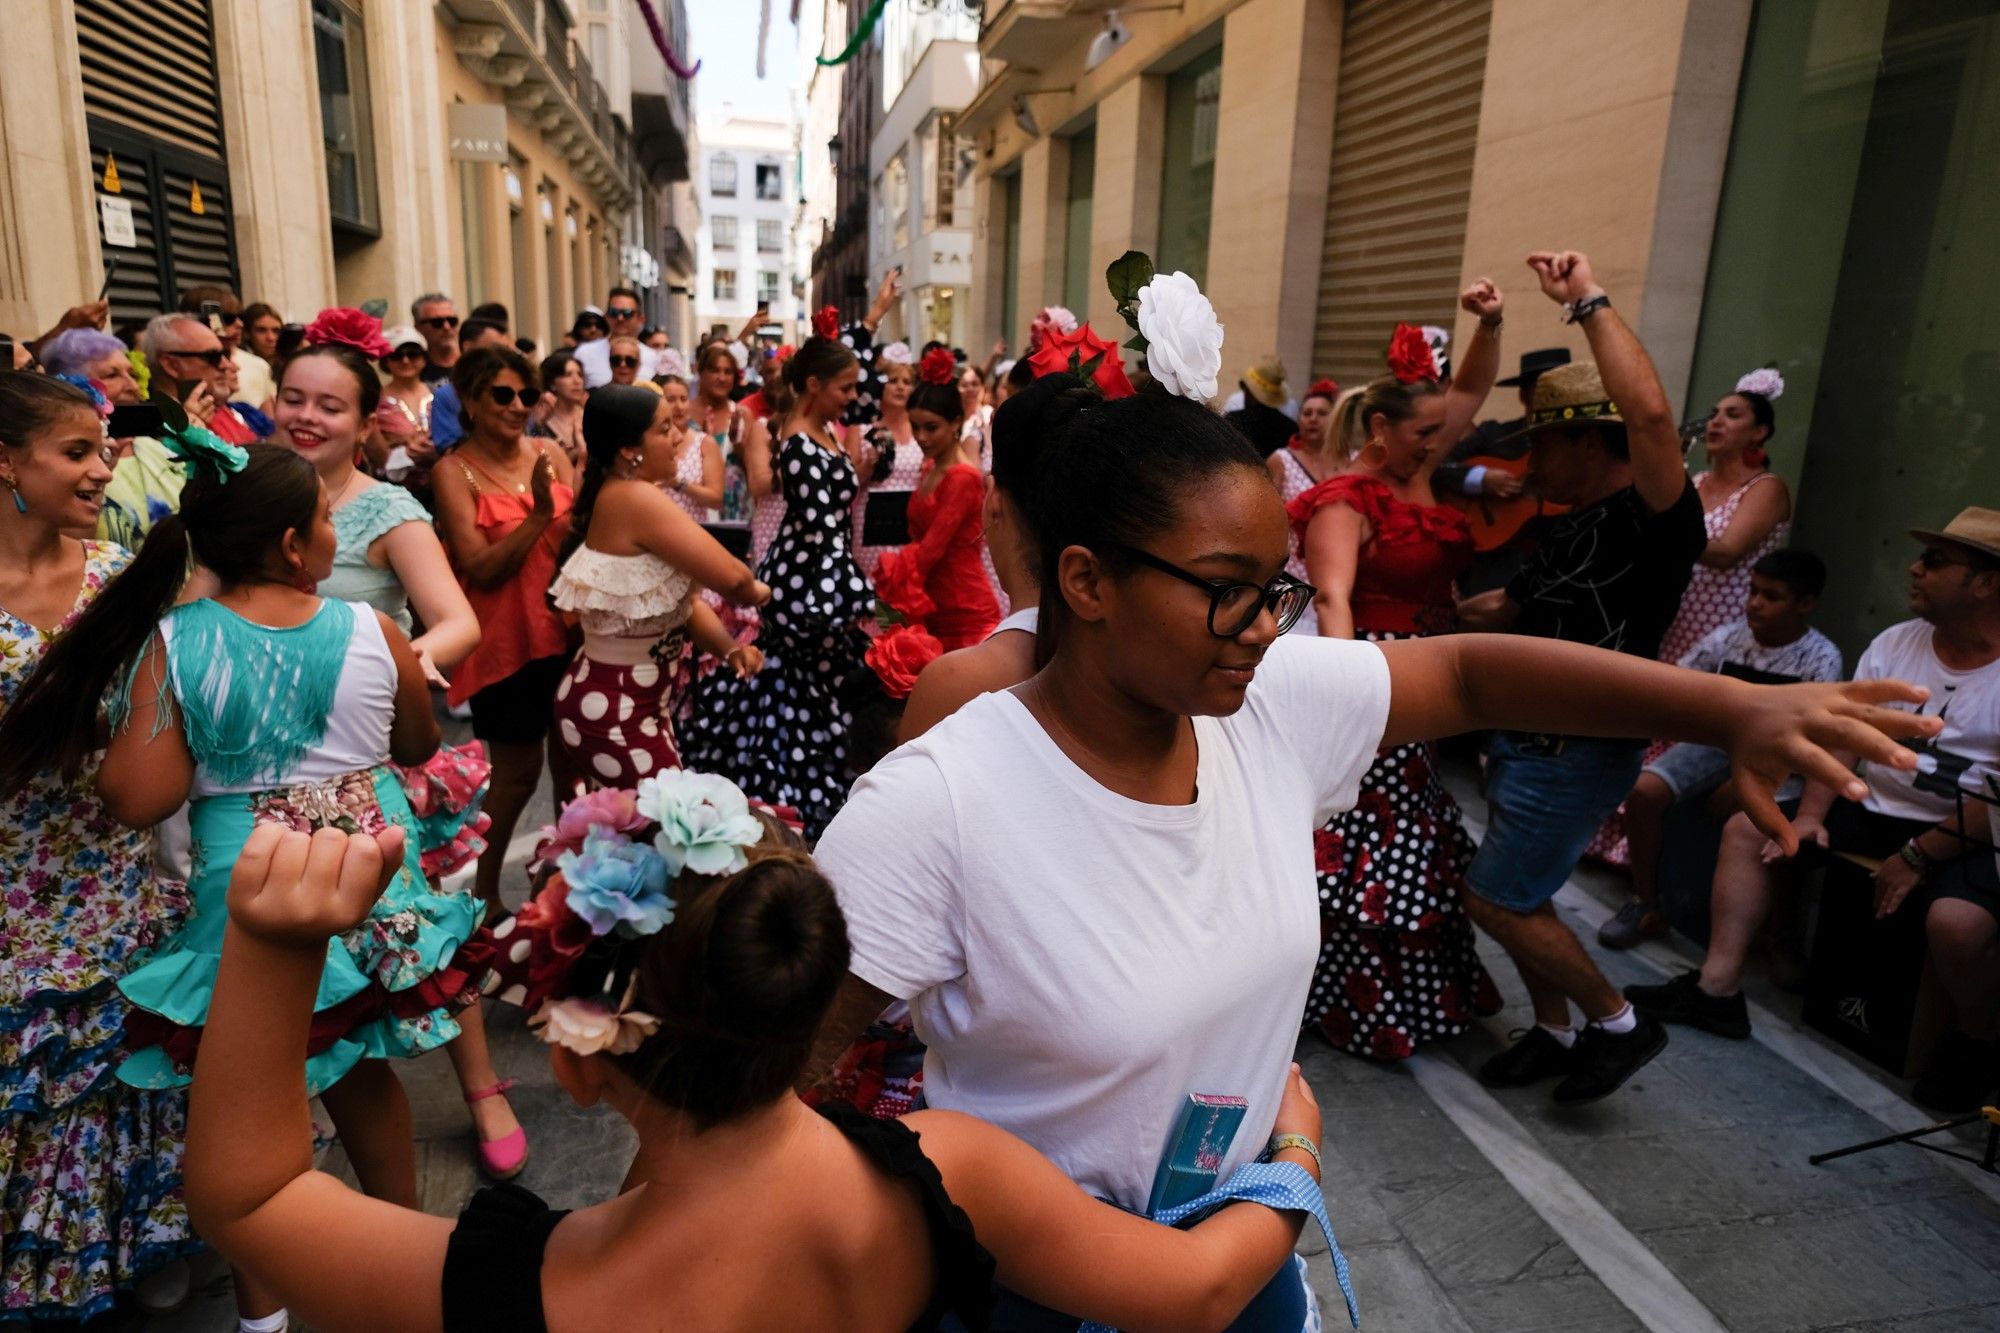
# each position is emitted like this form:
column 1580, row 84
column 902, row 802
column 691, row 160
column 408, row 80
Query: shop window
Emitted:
column 725, row 284
column 722, row 176
column 722, row 232
column 341, row 54
column 896, row 200
column 767, row 288
column 1853, row 249
column 770, row 235
column 1187, row 181
column 947, row 174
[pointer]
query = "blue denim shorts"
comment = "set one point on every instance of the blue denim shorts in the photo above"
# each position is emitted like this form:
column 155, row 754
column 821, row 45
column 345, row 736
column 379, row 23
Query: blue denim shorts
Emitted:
column 1691, row 770
column 1545, row 797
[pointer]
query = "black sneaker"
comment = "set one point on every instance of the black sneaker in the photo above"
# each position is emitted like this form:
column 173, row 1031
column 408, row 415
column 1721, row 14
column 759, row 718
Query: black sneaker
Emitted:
column 1604, row 1060
column 1960, row 1075
column 1532, row 1058
column 1682, row 1000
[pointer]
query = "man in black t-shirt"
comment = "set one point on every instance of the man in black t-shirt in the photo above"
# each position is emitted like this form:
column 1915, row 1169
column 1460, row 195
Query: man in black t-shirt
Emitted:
column 1608, row 573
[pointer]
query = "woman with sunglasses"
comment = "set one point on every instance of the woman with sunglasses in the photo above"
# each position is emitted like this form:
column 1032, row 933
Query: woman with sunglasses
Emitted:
column 1100, row 899
column 403, row 417
column 503, row 506
column 1397, row 966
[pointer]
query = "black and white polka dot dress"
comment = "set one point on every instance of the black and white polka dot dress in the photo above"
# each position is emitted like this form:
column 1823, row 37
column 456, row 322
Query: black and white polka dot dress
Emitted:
column 782, row 735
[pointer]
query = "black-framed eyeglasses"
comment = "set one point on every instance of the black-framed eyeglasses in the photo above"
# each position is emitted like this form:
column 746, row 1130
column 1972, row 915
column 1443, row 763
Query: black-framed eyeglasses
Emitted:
column 505, row 394
column 213, row 356
column 440, row 322
column 622, row 312
column 1937, row 557
column 624, row 363
column 1234, row 605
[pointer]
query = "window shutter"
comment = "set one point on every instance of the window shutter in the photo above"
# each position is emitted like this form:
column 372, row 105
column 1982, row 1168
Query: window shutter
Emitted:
column 1406, row 122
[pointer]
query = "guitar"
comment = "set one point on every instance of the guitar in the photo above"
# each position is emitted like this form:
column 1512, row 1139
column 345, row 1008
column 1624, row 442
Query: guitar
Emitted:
column 1497, row 523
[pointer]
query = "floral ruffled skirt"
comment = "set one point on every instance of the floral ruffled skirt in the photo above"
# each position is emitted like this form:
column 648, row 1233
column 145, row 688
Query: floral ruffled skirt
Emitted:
column 389, row 987
column 445, row 795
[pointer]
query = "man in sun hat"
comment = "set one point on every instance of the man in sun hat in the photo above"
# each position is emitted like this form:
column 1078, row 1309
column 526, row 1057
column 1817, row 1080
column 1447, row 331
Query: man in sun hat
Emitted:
column 1910, row 822
column 1507, row 441
column 1265, row 413
column 1610, row 573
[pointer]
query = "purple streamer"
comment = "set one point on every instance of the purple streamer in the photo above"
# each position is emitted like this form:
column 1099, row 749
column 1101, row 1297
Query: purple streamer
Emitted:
column 660, row 41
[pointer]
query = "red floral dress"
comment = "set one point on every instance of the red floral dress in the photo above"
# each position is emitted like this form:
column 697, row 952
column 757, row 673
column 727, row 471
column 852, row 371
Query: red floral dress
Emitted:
column 1397, row 963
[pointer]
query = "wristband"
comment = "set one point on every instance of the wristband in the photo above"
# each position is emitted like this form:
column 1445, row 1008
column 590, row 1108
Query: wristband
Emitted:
column 1493, row 324
column 1280, row 1142
column 1917, row 858
column 1575, row 312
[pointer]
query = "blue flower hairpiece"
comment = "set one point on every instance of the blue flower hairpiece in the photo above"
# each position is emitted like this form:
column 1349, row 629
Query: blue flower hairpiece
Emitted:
column 89, row 386
column 195, row 445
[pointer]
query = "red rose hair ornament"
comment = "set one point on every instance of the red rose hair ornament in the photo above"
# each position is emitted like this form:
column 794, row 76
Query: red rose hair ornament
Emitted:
column 1324, row 389
column 1410, row 358
column 1082, row 353
column 826, row 322
column 350, row 328
column 939, row 366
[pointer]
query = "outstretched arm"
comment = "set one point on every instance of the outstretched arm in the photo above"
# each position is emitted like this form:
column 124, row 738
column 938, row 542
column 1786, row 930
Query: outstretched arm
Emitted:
column 1473, row 379
column 250, row 1184
column 1466, row 682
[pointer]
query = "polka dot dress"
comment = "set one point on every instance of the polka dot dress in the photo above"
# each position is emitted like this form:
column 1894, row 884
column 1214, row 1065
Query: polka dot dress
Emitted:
column 1397, row 966
column 782, row 735
column 615, row 705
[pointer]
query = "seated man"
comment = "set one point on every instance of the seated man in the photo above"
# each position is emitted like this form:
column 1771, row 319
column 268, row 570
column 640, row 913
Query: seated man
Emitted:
column 1771, row 645
column 1911, row 821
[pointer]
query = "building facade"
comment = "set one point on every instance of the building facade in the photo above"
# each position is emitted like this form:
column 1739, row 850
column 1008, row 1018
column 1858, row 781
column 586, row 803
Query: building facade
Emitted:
column 334, row 152
column 746, row 180
column 840, row 274
column 1794, row 184
column 921, row 171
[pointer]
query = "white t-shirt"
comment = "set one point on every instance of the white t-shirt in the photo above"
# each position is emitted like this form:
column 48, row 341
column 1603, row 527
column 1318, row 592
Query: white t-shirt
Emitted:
column 1969, row 701
column 595, row 358
column 1079, row 962
column 1733, row 650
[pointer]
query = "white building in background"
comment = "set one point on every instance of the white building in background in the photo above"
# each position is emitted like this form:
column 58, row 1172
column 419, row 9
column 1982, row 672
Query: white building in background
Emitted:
column 745, row 255
column 921, row 171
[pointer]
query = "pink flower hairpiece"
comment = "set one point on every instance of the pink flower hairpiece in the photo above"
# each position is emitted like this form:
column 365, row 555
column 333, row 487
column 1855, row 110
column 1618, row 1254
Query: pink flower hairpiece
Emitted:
column 350, row 328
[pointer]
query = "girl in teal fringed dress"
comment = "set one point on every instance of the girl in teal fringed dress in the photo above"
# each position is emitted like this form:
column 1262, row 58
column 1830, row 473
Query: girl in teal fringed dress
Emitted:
column 267, row 704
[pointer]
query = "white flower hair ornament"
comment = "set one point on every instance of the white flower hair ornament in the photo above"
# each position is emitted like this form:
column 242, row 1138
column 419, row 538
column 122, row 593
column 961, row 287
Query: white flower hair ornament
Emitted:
column 705, row 821
column 897, row 353
column 589, row 1027
column 1765, row 381
column 1174, row 323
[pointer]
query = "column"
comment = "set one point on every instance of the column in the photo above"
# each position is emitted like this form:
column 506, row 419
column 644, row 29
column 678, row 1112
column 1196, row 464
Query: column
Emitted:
column 1125, row 210
column 50, row 255
column 1044, row 186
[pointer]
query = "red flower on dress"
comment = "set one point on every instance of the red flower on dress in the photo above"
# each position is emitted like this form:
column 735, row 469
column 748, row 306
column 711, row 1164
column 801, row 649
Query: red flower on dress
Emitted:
column 1329, row 852
column 826, row 322
column 350, row 328
column 1375, row 903
column 1362, row 991
column 1451, row 1001
column 1391, row 1044
column 1410, row 358
column 1339, row 1028
column 1059, row 349
column 899, row 656
column 939, row 366
column 900, row 583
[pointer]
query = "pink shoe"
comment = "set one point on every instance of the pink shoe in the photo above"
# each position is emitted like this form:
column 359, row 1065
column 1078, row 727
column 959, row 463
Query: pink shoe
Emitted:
column 506, row 1157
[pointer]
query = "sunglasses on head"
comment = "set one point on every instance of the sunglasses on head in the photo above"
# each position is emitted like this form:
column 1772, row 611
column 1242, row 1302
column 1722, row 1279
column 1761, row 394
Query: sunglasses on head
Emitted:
column 440, row 322
column 505, row 395
column 213, row 356
column 624, row 363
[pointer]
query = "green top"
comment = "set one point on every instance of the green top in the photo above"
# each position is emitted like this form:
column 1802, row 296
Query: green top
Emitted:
column 357, row 524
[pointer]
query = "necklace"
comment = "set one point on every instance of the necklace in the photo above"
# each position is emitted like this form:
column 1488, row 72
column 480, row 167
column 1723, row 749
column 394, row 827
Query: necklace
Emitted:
column 333, row 500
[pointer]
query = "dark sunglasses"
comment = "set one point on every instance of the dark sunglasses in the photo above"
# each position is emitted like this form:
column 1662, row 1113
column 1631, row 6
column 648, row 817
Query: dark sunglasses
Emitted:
column 405, row 350
column 213, row 356
column 440, row 322
column 505, row 396
column 624, row 363
column 1233, row 605
column 622, row 312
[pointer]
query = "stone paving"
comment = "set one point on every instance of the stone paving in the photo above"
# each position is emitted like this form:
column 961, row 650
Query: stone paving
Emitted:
column 1684, row 1203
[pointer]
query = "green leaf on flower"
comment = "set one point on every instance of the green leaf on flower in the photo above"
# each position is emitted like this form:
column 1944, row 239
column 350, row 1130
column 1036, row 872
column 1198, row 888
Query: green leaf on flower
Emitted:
column 1127, row 274
column 1088, row 371
column 1137, row 343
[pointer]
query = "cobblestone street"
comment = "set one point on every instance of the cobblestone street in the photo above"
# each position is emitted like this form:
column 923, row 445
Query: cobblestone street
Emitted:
column 1684, row 1204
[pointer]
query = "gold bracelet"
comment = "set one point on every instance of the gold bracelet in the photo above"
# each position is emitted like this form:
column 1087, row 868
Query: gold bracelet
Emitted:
column 1280, row 1142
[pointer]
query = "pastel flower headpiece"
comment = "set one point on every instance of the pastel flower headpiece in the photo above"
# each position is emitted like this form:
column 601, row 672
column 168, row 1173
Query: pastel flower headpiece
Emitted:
column 1765, row 381
column 897, row 353
column 350, row 328
column 90, row 386
column 1052, row 319
column 1174, row 325
column 617, row 854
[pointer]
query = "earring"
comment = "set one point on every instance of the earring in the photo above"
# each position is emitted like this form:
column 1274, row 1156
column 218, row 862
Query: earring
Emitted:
column 20, row 503
column 1378, row 456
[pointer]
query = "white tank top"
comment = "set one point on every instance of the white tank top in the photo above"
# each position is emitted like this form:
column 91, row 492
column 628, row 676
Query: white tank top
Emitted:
column 1028, row 621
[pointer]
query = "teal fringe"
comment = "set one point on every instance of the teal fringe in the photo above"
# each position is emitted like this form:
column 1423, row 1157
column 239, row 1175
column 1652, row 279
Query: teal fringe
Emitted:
column 253, row 699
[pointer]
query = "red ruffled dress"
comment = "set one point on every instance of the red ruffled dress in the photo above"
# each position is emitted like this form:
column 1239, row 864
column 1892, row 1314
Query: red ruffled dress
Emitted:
column 938, row 580
column 1397, row 963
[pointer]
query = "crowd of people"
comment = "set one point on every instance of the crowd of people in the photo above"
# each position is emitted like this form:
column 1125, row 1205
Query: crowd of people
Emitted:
column 1011, row 758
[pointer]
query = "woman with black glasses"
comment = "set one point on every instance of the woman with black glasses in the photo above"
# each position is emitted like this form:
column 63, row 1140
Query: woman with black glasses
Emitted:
column 1096, row 889
column 503, row 506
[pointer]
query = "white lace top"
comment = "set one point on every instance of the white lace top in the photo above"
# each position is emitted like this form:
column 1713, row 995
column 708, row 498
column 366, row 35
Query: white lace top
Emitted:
column 623, row 596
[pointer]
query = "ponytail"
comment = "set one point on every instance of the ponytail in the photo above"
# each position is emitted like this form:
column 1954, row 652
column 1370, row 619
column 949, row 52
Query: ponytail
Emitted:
column 1388, row 397
column 53, row 720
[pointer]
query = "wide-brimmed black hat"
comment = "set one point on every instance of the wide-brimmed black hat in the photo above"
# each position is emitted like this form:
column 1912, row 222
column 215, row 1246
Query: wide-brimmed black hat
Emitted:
column 1535, row 364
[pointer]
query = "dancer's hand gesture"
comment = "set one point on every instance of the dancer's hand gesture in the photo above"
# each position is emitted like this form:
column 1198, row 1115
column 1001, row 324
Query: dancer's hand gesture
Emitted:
column 1565, row 275
column 1484, row 300
column 297, row 888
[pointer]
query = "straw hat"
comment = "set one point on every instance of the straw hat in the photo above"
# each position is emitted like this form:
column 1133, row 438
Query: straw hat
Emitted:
column 1974, row 527
column 1265, row 381
column 1571, row 395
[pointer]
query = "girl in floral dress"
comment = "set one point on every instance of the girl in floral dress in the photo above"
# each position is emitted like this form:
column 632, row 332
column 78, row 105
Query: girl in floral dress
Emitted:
column 265, row 704
column 90, row 1167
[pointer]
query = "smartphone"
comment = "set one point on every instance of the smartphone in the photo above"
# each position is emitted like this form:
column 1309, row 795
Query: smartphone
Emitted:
column 135, row 419
column 212, row 312
column 110, row 272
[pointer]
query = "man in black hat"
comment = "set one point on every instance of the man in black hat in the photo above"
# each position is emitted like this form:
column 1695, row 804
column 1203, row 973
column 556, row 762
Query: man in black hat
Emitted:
column 1459, row 475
